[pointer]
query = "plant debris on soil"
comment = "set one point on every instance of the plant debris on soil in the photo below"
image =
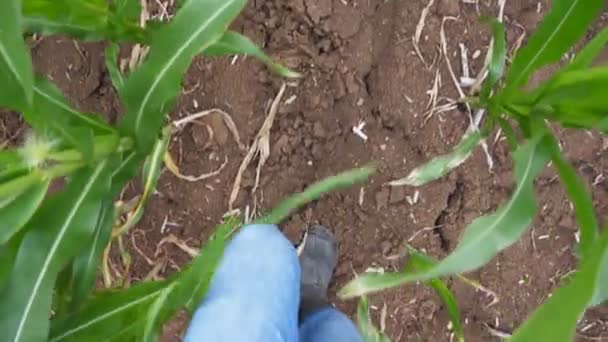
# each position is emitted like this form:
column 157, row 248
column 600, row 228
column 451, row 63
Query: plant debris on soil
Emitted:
column 371, row 75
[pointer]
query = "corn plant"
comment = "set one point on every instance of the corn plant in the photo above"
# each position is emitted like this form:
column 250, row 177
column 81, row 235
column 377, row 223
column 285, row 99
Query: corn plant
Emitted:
column 51, row 244
column 573, row 97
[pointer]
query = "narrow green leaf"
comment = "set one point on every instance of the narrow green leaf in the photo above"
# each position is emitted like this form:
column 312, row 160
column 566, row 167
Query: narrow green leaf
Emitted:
column 419, row 262
column 588, row 54
column 128, row 10
column 111, row 59
column 365, row 324
column 16, row 213
column 8, row 252
column 601, row 290
column 152, row 318
column 78, row 18
column 9, row 158
column 51, row 114
column 582, row 61
column 578, row 194
column 151, row 174
column 85, row 265
column 556, row 319
column 123, row 315
column 233, row 43
column 564, row 25
column 86, row 20
column 126, row 169
column 11, row 187
column 485, row 237
column 108, row 314
column 150, row 91
column 340, row 181
column 54, row 235
column 49, row 101
column 497, row 61
column 585, row 88
column 440, row 166
column 16, row 75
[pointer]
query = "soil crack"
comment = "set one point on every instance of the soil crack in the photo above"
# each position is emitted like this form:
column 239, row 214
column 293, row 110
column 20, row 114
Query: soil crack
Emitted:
column 454, row 204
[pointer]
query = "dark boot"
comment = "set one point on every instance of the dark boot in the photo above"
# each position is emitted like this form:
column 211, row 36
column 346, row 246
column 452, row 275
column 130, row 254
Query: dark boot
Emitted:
column 318, row 257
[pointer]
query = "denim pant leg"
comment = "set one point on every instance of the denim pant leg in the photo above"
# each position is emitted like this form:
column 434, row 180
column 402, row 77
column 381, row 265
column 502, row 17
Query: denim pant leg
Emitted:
column 328, row 325
column 255, row 293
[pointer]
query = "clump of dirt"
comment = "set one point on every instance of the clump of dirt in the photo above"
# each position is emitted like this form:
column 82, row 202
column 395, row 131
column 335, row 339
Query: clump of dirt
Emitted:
column 361, row 70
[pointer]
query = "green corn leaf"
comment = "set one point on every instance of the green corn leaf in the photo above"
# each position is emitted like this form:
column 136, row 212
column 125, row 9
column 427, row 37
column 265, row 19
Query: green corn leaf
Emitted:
column 16, row 75
column 578, row 194
column 365, row 324
column 582, row 60
column 150, row 91
column 154, row 163
column 152, row 320
column 340, row 181
column 126, row 169
column 440, row 166
column 420, row 262
column 8, row 252
column 86, row 20
column 16, row 213
column 485, row 237
column 11, row 187
column 600, row 295
column 85, row 265
column 83, row 19
column 54, row 235
column 497, row 61
column 585, row 88
column 588, row 54
column 235, row 43
column 601, row 290
column 108, row 314
column 50, row 103
column 128, row 10
column 151, row 174
column 51, row 114
column 564, row 25
column 123, row 315
column 111, row 59
column 9, row 158
column 556, row 319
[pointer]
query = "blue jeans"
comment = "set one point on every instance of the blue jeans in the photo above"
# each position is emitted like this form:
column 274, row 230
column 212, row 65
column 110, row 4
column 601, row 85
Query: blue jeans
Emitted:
column 255, row 296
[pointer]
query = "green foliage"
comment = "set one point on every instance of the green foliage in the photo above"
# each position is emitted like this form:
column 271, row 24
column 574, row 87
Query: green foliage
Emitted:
column 419, row 262
column 440, row 166
column 89, row 20
column 53, row 238
column 573, row 97
column 51, row 245
column 16, row 75
column 234, row 43
column 564, row 25
column 151, row 89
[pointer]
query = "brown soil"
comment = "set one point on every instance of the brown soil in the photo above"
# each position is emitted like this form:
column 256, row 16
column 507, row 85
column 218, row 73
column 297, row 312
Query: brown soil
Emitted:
column 359, row 64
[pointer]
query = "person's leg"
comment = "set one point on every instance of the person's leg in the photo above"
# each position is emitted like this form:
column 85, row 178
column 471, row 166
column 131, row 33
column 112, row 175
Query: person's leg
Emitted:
column 255, row 293
column 328, row 325
column 319, row 321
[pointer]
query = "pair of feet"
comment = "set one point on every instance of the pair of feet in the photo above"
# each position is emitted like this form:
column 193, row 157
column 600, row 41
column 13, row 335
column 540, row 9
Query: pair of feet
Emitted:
column 318, row 256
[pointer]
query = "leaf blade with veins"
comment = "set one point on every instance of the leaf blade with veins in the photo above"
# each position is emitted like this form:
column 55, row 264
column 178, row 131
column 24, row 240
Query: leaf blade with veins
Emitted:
column 150, row 91
column 440, row 166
